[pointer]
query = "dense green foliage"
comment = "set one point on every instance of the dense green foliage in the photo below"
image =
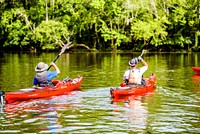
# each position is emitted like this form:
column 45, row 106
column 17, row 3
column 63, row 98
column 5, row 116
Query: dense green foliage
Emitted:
column 100, row 24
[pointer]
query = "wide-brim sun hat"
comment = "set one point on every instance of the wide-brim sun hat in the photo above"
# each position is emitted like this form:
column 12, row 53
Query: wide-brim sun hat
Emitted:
column 41, row 67
column 133, row 62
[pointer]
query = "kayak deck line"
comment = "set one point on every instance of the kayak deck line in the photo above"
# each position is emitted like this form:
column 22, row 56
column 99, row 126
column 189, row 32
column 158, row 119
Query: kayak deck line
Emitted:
column 28, row 89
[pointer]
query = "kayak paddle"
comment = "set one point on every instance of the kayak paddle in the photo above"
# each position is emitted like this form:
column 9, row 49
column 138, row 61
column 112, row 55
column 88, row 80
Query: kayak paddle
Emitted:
column 142, row 52
column 149, row 40
column 62, row 51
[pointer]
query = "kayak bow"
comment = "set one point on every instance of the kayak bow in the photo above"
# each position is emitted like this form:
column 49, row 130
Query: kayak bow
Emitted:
column 196, row 69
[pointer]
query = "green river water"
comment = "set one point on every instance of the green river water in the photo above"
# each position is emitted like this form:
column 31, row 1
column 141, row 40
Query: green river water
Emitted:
column 174, row 106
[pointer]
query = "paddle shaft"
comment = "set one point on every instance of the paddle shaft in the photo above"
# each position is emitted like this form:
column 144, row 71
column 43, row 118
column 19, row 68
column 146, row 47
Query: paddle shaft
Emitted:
column 62, row 51
column 53, row 61
column 142, row 53
column 149, row 40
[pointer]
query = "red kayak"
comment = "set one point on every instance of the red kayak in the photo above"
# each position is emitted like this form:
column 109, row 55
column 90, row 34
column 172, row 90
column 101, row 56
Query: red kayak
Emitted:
column 117, row 92
column 127, row 98
column 196, row 69
column 61, row 87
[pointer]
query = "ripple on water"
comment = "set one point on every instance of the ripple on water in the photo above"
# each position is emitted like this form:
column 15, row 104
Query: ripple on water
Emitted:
column 177, row 110
column 92, row 111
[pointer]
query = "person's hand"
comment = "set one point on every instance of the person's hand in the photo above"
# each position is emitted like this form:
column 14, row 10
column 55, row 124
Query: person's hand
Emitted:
column 139, row 58
column 52, row 64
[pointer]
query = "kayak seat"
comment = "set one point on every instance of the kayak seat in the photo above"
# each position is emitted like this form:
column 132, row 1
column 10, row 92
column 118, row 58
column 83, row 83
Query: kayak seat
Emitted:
column 55, row 82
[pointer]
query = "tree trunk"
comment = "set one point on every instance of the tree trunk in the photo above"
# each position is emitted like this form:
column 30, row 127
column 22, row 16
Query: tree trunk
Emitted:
column 46, row 12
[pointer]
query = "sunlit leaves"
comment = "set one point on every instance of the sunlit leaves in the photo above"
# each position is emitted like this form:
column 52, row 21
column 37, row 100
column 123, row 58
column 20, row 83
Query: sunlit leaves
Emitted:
column 112, row 23
column 50, row 33
column 15, row 27
column 97, row 4
column 112, row 35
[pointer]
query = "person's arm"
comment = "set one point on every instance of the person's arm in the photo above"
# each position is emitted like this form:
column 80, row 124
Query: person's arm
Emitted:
column 126, row 76
column 144, row 63
column 56, row 68
column 34, row 82
column 144, row 67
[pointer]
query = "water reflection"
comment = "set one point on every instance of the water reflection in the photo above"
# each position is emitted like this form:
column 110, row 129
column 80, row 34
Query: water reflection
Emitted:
column 196, row 79
column 196, row 84
column 136, row 110
column 137, row 114
column 172, row 108
column 50, row 116
column 43, row 114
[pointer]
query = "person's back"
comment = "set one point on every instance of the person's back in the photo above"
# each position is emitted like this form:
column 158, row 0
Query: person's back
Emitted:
column 44, row 77
column 133, row 76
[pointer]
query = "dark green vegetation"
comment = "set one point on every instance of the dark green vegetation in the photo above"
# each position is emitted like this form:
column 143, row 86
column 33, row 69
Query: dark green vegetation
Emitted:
column 100, row 24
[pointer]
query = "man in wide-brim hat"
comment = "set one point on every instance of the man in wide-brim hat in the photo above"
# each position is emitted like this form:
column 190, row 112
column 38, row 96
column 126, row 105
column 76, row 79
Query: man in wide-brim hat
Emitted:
column 133, row 76
column 44, row 77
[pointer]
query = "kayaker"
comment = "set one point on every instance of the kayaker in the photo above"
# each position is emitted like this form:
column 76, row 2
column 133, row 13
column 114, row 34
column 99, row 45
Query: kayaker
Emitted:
column 44, row 77
column 133, row 76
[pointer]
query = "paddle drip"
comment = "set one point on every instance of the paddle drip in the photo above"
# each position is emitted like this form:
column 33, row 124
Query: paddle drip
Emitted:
column 2, row 96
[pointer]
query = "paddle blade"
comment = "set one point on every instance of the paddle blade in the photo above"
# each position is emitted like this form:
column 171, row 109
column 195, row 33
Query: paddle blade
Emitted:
column 65, row 47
